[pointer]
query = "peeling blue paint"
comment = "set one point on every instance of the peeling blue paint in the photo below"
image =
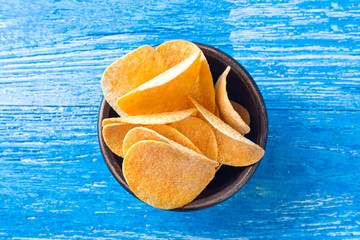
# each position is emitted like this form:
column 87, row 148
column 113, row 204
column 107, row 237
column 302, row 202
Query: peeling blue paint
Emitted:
column 303, row 54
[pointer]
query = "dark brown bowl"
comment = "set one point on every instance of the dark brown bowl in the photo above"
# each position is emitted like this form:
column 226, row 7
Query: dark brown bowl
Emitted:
column 228, row 180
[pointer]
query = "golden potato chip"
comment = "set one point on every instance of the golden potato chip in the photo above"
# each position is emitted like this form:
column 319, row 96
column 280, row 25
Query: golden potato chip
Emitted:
column 129, row 72
column 176, row 51
column 114, row 135
column 140, row 134
column 204, row 89
column 164, row 176
column 108, row 121
column 160, row 118
column 143, row 133
column 199, row 133
column 174, row 135
column 217, row 111
column 227, row 112
column 166, row 92
column 157, row 118
column 244, row 114
column 233, row 148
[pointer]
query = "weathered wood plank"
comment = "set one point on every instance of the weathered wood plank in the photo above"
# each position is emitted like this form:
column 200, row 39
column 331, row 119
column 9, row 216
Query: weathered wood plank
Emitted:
column 303, row 54
column 54, row 181
column 286, row 82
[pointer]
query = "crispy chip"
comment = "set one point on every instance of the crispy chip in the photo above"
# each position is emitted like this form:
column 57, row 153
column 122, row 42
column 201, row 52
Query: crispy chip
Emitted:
column 227, row 112
column 177, row 51
column 217, row 111
column 233, row 148
column 166, row 92
column 200, row 133
column 129, row 72
column 174, row 135
column 164, row 176
column 144, row 133
column 140, row 134
column 108, row 121
column 244, row 114
column 157, row 118
column 114, row 135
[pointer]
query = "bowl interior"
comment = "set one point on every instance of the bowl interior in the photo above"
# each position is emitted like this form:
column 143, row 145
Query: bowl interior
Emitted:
column 228, row 180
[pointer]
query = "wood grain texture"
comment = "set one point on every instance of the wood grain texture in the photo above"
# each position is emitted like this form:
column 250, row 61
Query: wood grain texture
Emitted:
column 58, row 185
column 306, row 52
column 303, row 54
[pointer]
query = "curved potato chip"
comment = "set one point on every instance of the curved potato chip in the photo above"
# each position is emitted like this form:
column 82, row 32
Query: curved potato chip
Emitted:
column 199, row 133
column 244, row 114
column 216, row 111
column 158, row 118
column 108, row 121
column 166, row 92
column 227, row 112
column 174, row 135
column 129, row 72
column 143, row 133
column 164, row 176
column 204, row 89
column 233, row 148
column 114, row 135
column 176, row 51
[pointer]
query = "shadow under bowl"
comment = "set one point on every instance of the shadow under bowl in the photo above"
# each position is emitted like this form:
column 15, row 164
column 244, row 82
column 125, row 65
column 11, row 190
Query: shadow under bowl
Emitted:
column 228, row 180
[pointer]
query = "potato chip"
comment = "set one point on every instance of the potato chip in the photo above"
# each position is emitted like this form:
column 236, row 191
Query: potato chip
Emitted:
column 129, row 72
column 217, row 111
column 164, row 176
column 108, row 121
column 199, row 133
column 157, row 118
column 140, row 134
column 244, row 114
column 166, row 92
column 233, row 148
column 143, row 133
column 204, row 89
column 174, row 135
column 176, row 51
column 114, row 135
column 227, row 112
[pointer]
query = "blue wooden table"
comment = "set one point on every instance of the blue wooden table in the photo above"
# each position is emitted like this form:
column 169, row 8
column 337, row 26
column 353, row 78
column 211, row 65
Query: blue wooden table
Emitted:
column 303, row 54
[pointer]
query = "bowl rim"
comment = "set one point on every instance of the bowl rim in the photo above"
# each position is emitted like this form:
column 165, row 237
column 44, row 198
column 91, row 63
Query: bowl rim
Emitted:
column 226, row 192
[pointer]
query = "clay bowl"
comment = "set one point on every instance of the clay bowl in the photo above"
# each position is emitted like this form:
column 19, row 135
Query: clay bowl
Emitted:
column 228, row 180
